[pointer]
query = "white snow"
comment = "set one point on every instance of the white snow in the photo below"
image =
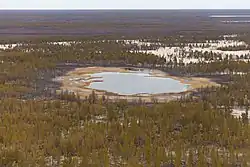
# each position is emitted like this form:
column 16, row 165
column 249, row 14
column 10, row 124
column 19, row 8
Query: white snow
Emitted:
column 8, row 46
column 229, row 16
column 182, row 53
column 140, row 43
column 235, row 21
column 237, row 112
column 230, row 35
column 64, row 43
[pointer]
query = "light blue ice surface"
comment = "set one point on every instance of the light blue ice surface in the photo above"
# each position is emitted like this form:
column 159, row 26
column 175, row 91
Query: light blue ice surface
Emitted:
column 136, row 83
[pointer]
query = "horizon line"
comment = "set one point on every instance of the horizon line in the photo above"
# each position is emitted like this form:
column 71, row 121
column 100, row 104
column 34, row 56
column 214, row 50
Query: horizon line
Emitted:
column 126, row 9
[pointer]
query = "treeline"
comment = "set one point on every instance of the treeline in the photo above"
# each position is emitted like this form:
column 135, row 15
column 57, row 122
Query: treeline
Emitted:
column 210, row 69
column 234, row 48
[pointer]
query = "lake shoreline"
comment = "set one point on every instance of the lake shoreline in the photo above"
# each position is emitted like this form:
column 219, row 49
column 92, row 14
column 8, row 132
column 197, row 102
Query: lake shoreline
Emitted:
column 70, row 83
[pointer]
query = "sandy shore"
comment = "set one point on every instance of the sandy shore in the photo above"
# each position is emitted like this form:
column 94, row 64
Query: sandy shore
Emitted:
column 78, row 80
column 194, row 82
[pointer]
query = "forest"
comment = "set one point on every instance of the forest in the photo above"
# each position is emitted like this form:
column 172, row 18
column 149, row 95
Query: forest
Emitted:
column 41, row 128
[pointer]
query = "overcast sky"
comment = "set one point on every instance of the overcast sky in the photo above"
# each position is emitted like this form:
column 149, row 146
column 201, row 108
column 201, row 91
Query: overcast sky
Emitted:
column 124, row 4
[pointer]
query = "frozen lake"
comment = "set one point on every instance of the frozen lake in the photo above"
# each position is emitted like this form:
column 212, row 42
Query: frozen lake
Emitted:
column 136, row 83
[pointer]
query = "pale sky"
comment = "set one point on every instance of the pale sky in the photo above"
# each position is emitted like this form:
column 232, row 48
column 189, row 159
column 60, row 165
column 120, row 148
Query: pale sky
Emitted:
column 124, row 4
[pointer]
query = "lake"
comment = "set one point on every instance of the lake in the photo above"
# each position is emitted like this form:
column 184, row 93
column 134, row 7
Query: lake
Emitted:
column 136, row 83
